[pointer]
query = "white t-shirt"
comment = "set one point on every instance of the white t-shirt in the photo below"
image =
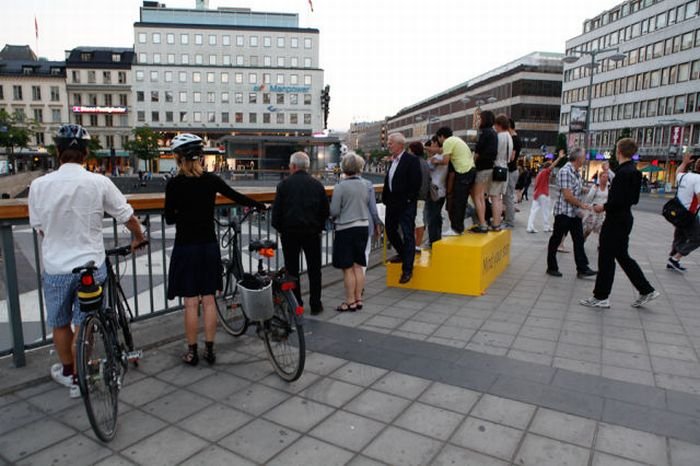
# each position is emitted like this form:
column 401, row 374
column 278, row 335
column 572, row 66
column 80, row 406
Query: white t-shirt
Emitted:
column 68, row 205
column 438, row 175
column 505, row 148
column 688, row 188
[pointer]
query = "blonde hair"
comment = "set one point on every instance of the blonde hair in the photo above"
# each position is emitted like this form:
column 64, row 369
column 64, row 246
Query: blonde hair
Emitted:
column 190, row 168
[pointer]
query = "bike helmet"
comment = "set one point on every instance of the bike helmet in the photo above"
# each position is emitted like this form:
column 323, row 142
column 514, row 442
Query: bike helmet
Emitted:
column 187, row 145
column 71, row 136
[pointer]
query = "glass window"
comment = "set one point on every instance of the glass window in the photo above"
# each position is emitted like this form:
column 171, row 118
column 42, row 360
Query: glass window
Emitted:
column 196, row 77
column 141, row 116
column 154, row 76
column 294, row 62
column 170, row 38
column 252, row 118
column 672, row 75
column 680, row 104
column 691, row 9
column 169, row 96
column 280, row 118
column 253, row 41
column 294, row 99
column 238, row 97
column 154, row 96
column 183, row 117
column 224, row 117
column 293, row 119
column 307, row 62
column 280, row 62
column 294, row 79
column 169, row 117
column 307, row 79
column 676, row 44
column 687, row 41
column 212, row 39
column 239, row 117
column 294, row 42
column 307, row 42
column 224, row 97
column 211, row 97
column 279, row 99
column 156, row 58
column 199, row 59
column 143, row 58
column 266, row 78
column 655, row 78
column 168, row 76
column 155, row 37
column 307, row 118
column 210, row 77
column 212, row 59
column 658, row 49
column 664, row 76
column 197, row 116
column 280, row 78
column 155, row 116
column 239, row 41
column 266, row 98
column 184, row 39
column 254, row 60
column 224, row 77
column 252, row 98
column 185, row 59
column 280, row 42
column 267, row 61
column 239, row 60
column 226, row 40
column 171, row 59
column 182, row 76
column 683, row 72
column 266, row 118
column 661, row 20
column 238, row 78
column 142, row 37
column 267, row 41
column 227, row 60
column 695, row 70
column 198, row 39
column 140, row 96
column 197, row 97
column 307, row 99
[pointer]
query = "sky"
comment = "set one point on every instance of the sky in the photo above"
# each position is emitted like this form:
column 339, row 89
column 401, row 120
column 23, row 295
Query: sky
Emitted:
column 379, row 56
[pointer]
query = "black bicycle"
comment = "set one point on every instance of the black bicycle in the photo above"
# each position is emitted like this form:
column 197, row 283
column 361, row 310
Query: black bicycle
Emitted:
column 103, row 354
column 266, row 299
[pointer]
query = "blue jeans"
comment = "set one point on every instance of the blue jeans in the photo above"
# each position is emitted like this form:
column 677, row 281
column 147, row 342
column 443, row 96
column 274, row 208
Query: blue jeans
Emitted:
column 433, row 219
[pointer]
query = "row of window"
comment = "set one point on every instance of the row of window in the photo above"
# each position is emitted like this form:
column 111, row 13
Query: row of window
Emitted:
column 18, row 93
column 224, row 77
column 226, row 60
column 663, row 106
column 224, row 39
column 107, row 99
column 646, row 26
column 224, row 117
column 669, row 75
column 92, row 77
column 659, row 136
column 38, row 115
column 658, row 49
column 225, row 97
column 96, row 121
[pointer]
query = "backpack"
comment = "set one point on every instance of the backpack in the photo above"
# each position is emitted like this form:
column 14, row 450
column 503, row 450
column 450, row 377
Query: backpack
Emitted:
column 424, row 192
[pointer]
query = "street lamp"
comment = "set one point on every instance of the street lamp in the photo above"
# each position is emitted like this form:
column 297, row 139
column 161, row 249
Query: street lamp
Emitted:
column 479, row 100
column 593, row 66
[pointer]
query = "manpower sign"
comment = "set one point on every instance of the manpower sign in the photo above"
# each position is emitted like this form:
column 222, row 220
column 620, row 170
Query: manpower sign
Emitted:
column 276, row 88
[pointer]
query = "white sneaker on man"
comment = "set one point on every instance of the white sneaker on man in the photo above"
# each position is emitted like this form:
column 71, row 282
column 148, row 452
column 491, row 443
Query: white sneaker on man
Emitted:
column 595, row 303
column 531, row 230
column 58, row 377
column 451, row 232
column 645, row 298
column 74, row 391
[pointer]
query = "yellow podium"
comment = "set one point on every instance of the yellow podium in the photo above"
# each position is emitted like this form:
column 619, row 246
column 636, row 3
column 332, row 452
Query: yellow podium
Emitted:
column 465, row 264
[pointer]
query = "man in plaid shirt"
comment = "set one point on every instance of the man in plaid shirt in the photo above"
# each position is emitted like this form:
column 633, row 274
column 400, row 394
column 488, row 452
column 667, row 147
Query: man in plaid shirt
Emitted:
column 566, row 219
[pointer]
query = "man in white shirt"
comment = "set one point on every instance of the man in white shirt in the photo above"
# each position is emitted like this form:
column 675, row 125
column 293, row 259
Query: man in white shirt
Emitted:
column 67, row 208
column 687, row 239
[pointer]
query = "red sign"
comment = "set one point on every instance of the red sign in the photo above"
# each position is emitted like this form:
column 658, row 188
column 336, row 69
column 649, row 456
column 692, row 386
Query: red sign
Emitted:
column 676, row 135
column 97, row 109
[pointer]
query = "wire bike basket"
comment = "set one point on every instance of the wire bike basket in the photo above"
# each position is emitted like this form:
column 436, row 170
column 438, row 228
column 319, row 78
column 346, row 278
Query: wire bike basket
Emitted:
column 256, row 297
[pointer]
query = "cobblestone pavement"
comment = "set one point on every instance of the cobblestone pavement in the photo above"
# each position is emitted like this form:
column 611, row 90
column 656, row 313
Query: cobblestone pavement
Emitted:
column 520, row 376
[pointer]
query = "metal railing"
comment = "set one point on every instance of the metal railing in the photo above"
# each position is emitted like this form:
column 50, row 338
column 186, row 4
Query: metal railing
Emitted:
column 144, row 276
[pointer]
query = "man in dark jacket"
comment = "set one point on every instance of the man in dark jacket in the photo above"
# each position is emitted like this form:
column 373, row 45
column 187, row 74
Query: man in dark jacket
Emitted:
column 401, row 186
column 299, row 214
column 615, row 232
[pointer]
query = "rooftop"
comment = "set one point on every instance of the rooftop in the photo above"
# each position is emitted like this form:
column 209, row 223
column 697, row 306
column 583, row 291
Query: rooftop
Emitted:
column 232, row 17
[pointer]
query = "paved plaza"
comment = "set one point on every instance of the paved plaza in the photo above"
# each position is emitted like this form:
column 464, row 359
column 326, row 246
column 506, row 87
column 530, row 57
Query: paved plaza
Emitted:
column 522, row 375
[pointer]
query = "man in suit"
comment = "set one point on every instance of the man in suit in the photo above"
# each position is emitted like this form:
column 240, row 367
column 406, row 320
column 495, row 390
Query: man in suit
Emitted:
column 401, row 186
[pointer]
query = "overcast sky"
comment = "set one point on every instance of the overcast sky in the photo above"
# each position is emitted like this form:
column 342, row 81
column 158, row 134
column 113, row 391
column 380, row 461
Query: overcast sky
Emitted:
column 378, row 55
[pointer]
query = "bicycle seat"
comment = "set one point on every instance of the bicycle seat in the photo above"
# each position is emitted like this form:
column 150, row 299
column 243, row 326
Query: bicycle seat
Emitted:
column 88, row 266
column 264, row 247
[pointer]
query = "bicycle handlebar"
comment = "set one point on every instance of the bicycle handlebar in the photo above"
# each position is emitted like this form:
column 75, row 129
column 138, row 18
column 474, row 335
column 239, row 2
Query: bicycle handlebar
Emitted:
column 238, row 222
column 120, row 251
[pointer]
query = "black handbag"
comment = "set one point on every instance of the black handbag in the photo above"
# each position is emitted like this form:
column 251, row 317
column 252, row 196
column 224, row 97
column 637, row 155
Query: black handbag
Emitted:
column 675, row 212
column 500, row 174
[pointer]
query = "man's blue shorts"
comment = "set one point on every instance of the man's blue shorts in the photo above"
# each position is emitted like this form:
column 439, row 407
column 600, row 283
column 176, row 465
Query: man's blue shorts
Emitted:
column 60, row 293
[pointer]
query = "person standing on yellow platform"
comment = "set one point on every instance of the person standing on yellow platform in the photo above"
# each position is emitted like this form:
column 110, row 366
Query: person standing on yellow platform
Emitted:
column 456, row 152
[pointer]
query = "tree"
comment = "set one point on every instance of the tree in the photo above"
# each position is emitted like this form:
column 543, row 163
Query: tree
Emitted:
column 360, row 152
column 144, row 145
column 561, row 145
column 11, row 136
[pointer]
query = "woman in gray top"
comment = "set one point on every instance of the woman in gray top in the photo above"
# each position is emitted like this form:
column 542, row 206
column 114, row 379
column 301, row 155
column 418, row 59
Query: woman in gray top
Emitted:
column 350, row 212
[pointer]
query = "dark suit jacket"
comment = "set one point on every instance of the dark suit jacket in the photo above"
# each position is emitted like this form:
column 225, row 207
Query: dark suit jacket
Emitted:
column 406, row 183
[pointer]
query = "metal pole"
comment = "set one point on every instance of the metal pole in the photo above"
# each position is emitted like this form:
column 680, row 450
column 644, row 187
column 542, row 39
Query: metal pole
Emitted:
column 588, row 115
column 14, row 311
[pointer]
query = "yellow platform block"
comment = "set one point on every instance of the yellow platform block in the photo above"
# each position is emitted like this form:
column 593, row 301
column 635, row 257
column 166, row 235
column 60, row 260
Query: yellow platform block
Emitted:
column 465, row 264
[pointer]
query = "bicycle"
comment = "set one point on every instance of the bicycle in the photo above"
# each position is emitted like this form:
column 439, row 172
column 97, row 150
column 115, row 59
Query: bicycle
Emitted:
column 266, row 299
column 102, row 356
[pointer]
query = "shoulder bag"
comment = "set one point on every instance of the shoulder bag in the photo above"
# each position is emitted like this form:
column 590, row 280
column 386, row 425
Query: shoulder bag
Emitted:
column 675, row 212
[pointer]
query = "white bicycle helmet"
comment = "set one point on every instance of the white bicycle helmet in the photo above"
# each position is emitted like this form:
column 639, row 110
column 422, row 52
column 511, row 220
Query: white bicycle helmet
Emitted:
column 187, row 145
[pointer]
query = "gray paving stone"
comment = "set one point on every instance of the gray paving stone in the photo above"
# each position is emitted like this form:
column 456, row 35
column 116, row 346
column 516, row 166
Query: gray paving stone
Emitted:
column 534, row 345
column 176, row 405
column 255, row 399
column 308, row 450
column 487, row 437
column 541, row 451
column 430, row 317
column 322, row 364
column 32, row 437
column 628, row 375
column 455, row 333
column 298, row 413
column 145, row 391
column 358, row 374
column 450, row 397
column 385, row 322
column 18, row 414
column 254, row 370
column 34, row 390
column 400, row 447
column 628, row 360
column 114, row 460
column 447, row 342
column 260, row 440
column 214, row 422
column 8, row 399
column 182, row 375
column 672, row 351
column 580, row 338
column 684, row 453
column 377, row 405
column 565, row 427
column 214, row 455
column 501, row 327
column 157, row 360
column 348, row 430
column 364, row 461
column 603, row 459
column 684, row 403
column 77, row 450
column 675, row 367
column 578, row 352
column 632, row 444
column 275, row 381
column 620, row 344
column 169, row 446
column 54, row 400
column 452, row 455
column 402, row 385
column 422, row 328
column 585, row 367
column 490, row 338
column 537, row 358
column 675, row 382
column 331, row 392
column 503, row 411
column 486, row 348
column 430, row 421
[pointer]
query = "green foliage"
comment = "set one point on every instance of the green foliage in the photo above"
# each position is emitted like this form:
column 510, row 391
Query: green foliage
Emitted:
column 144, row 145
column 360, row 152
column 12, row 135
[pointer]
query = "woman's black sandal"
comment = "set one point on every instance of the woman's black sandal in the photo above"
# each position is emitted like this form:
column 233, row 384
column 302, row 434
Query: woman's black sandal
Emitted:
column 191, row 357
column 345, row 307
column 208, row 354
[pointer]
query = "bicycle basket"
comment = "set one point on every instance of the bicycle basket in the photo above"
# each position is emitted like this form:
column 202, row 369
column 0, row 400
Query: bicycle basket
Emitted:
column 256, row 297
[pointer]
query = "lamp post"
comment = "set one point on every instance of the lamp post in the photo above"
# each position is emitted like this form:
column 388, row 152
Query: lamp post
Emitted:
column 479, row 100
column 575, row 56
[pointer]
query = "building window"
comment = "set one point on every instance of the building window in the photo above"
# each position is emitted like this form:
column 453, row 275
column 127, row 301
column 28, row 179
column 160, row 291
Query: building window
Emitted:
column 183, row 117
column 294, row 79
column 168, row 76
column 93, row 120
column 294, row 99
column 266, row 78
column 123, row 100
column 77, row 100
column 224, row 117
column 199, row 59
column 38, row 115
column 36, row 93
column 139, row 75
column 55, row 115
column 280, row 118
column 687, row 41
column 198, row 39
column 227, row 60
column 239, row 117
column 154, row 96
column 307, row 99
column 280, row 78
column 121, row 77
column 211, row 97
column 307, row 43
column 123, row 121
column 155, row 116
column 238, row 78
column 224, row 78
column 695, row 70
column 183, row 97
column 294, row 62
column 155, row 37
column 196, row 77
column 109, row 120
column 108, row 100
column 156, row 58
column 307, row 79
column 210, row 77
column 182, row 76
column 252, row 117
column 307, row 118
column 267, row 61
column 683, row 72
column 92, row 77
column 170, row 38
column 142, row 37
column 107, row 77
column 212, row 39
column 211, row 117
column 252, row 98
column 280, row 42
column 154, row 76
column 169, row 96
column 266, row 117
column 184, row 39
column 279, row 99
column 307, row 62
column 197, row 97
column 252, row 78
column 78, row 118
column 185, row 59
column 224, row 97
column 280, row 62
column 143, row 58
column 267, row 41
column 169, row 117
column 75, row 75
column 293, row 119
column 197, row 116
column 253, row 41
column 212, row 59
column 238, row 97
column 294, row 43
column 266, row 98
column 226, row 40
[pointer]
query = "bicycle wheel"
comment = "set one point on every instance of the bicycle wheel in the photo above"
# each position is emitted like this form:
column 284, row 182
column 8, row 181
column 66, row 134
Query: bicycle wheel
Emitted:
column 98, row 372
column 284, row 337
column 228, row 305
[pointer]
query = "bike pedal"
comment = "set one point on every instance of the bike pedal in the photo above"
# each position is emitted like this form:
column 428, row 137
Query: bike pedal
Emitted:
column 132, row 356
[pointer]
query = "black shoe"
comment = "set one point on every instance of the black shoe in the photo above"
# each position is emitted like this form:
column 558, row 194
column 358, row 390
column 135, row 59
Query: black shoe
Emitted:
column 586, row 273
column 405, row 277
column 395, row 259
column 554, row 273
column 316, row 310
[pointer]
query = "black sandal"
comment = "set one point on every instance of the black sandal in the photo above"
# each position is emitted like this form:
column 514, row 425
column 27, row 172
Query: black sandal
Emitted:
column 191, row 357
column 358, row 305
column 208, row 354
column 347, row 308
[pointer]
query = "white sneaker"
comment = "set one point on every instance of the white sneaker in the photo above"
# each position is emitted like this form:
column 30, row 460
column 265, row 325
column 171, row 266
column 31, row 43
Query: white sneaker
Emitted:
column 549, row 230
column 596, row 303
column 531, row 230
column 57, row 375
column 74, row 391
column 451, row 232
column 645, row 298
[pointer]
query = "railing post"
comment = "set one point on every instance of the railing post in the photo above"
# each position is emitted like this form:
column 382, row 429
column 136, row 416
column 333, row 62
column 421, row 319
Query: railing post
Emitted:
column 13, row 310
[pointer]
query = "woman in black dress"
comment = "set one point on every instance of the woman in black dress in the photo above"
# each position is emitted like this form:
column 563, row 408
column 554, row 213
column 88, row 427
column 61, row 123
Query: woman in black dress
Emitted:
column 195, row 272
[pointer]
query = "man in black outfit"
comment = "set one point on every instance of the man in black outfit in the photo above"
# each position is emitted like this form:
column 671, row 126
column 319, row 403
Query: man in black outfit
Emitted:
column 615, row 232
column 401, row 186
column 299, row 214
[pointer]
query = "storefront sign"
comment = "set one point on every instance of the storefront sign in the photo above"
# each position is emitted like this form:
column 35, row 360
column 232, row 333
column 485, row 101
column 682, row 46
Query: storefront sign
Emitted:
column 98, row 109
column 276, row 88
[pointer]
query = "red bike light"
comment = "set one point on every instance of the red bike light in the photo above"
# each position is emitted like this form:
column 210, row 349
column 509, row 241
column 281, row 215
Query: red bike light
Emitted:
column 288, row 286
column 299, row 310
column 87, row 280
